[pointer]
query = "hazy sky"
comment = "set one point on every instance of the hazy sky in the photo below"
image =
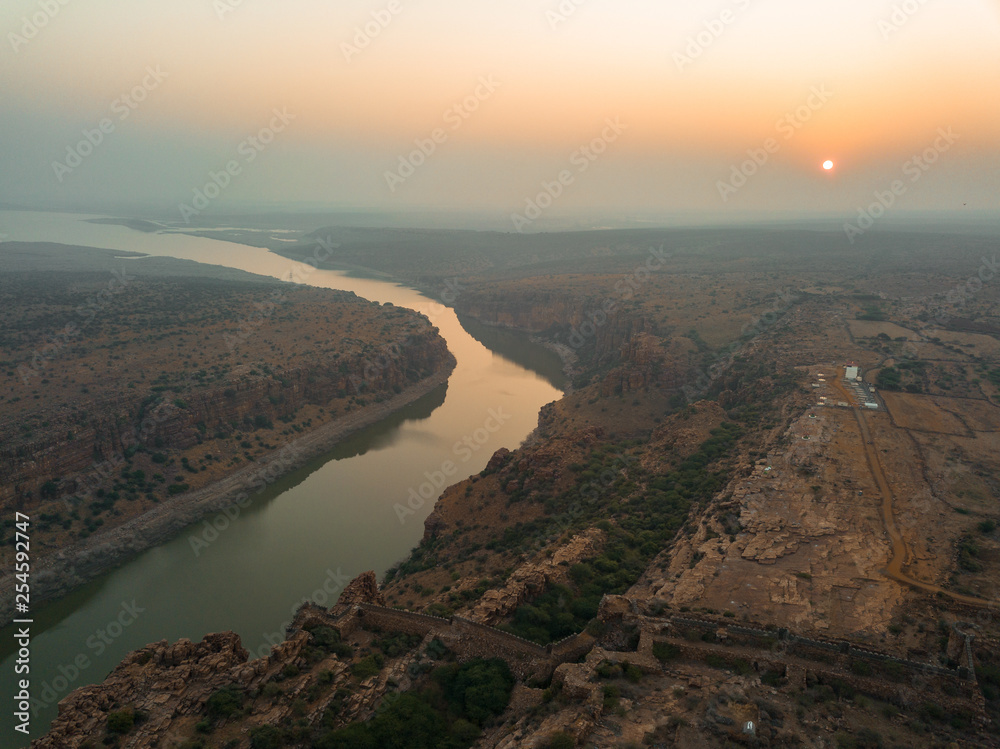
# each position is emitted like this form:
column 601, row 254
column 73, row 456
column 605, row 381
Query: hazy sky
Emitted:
column 692, row 86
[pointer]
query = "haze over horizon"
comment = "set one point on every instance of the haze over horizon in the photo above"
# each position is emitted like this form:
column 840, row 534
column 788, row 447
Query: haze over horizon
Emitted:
column 502, row 97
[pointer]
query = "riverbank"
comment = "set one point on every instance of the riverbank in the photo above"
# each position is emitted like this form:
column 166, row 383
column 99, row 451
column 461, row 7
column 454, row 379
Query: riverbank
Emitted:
column 103, row 551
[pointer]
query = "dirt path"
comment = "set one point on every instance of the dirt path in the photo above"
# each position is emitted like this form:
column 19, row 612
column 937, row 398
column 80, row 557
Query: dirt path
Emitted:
column 900, row 551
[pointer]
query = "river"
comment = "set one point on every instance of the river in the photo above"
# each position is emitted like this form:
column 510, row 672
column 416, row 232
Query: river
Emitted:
column 306, row 534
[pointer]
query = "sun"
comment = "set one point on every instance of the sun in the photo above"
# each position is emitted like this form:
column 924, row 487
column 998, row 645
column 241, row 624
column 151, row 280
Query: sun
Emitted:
column 828, row 165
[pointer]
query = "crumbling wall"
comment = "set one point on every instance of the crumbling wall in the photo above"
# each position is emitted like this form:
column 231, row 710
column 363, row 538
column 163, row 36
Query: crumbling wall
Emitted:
column 394, row 620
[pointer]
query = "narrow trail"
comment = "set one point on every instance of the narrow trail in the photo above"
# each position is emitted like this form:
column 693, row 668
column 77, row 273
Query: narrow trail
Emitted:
column 900, row 551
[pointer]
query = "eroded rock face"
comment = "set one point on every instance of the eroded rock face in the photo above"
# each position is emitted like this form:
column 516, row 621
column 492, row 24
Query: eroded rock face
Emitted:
column 795, row 534
column 532, row 579
column 111, row 430
column 167, row 682
column 498, row 459
column 362, row 589
column 434, row 524
column 75, row 460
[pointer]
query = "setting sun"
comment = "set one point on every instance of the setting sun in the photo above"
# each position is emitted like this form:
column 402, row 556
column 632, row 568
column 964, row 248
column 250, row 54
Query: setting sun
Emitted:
column 828, row 165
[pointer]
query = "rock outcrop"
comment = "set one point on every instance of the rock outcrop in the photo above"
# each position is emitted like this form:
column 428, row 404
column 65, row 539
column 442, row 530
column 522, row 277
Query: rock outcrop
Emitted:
column 532, row 579
column 163, row 683
column 362, row 589
column 69, row 449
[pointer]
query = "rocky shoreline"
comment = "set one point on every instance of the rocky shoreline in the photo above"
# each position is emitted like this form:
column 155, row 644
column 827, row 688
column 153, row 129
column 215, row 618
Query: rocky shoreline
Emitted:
column 71, row 568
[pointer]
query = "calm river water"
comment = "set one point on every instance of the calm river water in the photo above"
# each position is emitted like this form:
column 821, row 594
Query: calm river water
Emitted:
column 307, row 533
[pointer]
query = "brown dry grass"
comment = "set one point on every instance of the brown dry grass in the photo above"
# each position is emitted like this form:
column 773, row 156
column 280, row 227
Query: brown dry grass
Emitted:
column 871, row 329
column 923, row 413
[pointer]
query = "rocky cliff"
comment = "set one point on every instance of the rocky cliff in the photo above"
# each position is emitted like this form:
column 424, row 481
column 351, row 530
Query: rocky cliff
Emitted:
column 176, row 397
column 71, row 444
column 596, row 335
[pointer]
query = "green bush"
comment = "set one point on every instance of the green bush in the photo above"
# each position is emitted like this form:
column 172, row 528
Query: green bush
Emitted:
column 861, row 668
column 772, row 678
column 266, row 737
column 396, row 644
column 642, row 527
column 120, row 722
column 225, row 702
column 368, row 666
column 328, row 640
column 664, row 651
column 478, row 690
column 716, row 661
column 271, row 690
column 932, row 711
column 632, row 672
column 561, row 740
column 611, row 696
column 608, row 670
column 448, row 714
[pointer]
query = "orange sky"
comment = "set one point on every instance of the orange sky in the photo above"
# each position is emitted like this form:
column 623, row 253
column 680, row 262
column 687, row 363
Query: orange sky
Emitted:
column 688, row 119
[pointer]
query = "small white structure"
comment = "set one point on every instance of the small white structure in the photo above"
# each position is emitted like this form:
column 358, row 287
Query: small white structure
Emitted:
column 852, row 373
column 872, row 405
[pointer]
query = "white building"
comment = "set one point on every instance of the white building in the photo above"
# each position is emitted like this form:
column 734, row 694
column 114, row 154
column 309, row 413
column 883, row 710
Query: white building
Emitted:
column 851, row 373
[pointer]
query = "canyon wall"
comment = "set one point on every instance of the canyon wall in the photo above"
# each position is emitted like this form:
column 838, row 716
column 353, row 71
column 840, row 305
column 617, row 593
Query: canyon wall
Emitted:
column 603, row 335
column 75, row 445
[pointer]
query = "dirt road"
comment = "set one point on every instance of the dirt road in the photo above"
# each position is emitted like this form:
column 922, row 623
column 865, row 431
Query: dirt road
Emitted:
column 900, row 551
